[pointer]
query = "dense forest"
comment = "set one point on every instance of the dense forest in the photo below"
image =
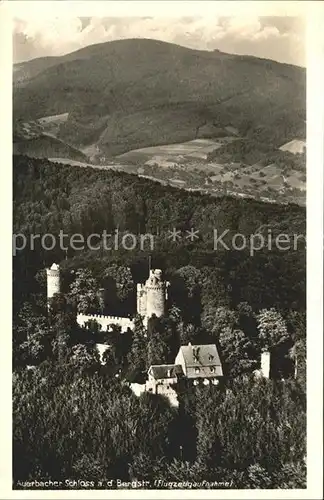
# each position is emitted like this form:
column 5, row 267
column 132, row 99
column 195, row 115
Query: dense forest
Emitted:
column 75, row 418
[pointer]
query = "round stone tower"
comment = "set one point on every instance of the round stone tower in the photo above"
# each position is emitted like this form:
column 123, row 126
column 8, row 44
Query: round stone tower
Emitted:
column 141, row 300
column 53, row 281
column 155, row 294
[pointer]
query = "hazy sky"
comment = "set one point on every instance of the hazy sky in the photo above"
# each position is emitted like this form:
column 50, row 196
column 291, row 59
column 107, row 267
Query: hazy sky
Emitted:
column 278, row 38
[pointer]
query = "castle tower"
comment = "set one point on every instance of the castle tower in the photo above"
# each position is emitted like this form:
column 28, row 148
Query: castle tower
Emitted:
column 265, row 364
column 53, row 281
column 155, row 294
column 141, row 300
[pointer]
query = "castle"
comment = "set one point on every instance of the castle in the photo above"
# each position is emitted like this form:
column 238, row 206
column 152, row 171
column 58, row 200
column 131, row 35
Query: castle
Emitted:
column 151, row 300
column 152, row 296
column 198, row 363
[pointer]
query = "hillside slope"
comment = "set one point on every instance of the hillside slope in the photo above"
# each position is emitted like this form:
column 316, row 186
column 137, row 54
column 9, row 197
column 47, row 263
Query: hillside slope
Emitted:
column 46, row 146
column 129, row 94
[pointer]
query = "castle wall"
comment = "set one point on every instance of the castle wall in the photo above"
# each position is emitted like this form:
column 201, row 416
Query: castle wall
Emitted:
column 102, row 348
column 137, row 389
column 106, row 321
column 163, row 389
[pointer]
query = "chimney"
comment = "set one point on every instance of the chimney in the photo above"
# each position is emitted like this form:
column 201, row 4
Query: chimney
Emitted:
column 265, row 364
column 195, row 353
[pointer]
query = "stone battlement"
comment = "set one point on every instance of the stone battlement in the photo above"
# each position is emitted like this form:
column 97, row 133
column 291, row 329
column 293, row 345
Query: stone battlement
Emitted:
column 102, row 316
column 54, row 272
column 106, row 321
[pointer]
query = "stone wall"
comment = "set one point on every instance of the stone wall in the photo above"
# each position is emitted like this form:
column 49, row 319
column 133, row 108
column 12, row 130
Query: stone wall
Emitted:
column 106, row 321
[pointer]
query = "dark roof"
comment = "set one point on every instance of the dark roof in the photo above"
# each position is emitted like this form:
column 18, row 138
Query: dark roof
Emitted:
column 200, row 355
column 165, row 371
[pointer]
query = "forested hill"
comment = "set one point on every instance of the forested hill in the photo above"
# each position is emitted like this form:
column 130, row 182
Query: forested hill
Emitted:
column 241, row 302
column 128, row 94
column 50, row 197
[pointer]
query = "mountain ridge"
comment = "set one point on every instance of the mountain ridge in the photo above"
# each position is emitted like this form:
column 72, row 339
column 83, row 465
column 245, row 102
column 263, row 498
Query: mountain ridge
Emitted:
column 134, row 93
column 97, row 45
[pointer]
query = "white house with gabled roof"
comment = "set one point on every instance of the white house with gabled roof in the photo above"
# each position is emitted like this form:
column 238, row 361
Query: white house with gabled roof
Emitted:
column 200, row 362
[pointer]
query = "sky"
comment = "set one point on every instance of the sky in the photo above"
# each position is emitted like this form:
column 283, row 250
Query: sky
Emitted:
column 277, row 38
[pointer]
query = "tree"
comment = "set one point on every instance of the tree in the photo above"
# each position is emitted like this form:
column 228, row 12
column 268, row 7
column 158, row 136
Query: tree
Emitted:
column 111, row 366
column 257, row 477
column 88, row 466
column 181, row 471
column 247, row 319
column 217, row 319
column 290, row 476
column 296, row 323
column 256, row 422
column 185, row 292
column 93, row 326
column 32, row 350
column 30, row 336
column 299, row 354
column 83, row 292
column 238, row 352
column 158, row 350
column 163, row 343
column 84, row 359
column 41, row 279
column 144, row 468
column 192, row 277
column 138, row 356
column 123, row 280
column 272, row 328
column 188, row 334
column 57, row 305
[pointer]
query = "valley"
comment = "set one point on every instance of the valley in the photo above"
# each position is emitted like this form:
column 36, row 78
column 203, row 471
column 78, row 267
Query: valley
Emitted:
column 187, row 166
column 198, row 120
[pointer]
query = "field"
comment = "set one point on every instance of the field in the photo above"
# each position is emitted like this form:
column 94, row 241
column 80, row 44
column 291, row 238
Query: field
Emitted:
column 189, row 165
column 294, row 146
column 172, row 154
column 54, row 119
column 211, row 165
column 186, row 165
column 201, row 120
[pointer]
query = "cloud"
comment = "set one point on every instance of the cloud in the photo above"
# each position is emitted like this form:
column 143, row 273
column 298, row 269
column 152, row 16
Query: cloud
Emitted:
column 275, row 38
